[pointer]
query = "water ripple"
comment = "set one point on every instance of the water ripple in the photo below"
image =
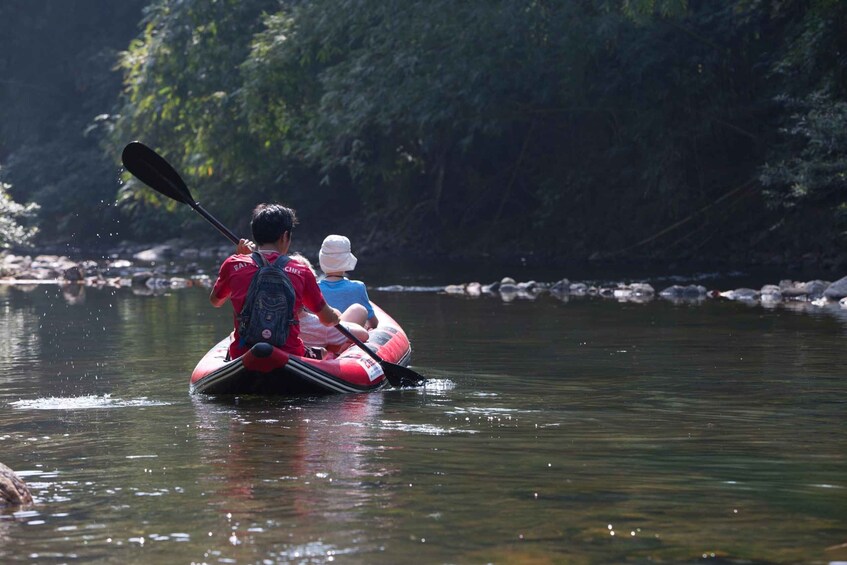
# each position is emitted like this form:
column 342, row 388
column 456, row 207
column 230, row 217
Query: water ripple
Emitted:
column 84, row 403
column 426, row 429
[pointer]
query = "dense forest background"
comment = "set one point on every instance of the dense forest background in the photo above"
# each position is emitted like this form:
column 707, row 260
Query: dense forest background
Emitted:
column 608, row 129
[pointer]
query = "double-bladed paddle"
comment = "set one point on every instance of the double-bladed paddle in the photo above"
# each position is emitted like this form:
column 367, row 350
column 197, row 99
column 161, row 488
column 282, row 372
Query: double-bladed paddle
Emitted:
column 153, row 170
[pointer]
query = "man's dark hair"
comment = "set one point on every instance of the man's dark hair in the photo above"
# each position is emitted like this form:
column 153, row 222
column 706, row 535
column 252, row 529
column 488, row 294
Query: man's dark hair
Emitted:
column 270, row 221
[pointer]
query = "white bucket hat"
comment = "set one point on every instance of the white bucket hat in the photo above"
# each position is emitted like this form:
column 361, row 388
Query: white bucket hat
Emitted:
column 335, row 255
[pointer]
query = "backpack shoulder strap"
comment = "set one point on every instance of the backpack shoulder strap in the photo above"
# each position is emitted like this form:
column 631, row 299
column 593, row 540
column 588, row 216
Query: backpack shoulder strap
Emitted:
column 282, row 261
column 259, row 259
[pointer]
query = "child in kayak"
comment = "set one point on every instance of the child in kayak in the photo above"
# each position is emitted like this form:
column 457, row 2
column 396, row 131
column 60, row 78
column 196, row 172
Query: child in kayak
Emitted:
column 340, row 292
column 316, row 335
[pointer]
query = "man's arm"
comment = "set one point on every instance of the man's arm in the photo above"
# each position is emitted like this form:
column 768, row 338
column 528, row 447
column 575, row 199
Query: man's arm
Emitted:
column 244, row 247
column 329, row 316
column 216, row 302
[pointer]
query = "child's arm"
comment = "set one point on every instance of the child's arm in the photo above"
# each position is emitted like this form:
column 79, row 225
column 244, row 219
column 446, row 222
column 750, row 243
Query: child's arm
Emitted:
column 372, row 321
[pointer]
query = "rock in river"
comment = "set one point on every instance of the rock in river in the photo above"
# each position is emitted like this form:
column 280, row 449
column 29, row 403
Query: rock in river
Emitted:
column 13, row 491
column 837, row 290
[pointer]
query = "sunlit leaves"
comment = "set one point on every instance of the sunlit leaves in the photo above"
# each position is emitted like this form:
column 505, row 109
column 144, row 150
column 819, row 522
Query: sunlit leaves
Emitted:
column 807, row 168
column 182, row 81
column 492, row 122
column 643, row 10
column 819, row 169
column 13, row 215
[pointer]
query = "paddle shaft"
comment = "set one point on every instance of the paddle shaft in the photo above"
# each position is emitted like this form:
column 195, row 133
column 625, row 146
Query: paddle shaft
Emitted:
column 349, row 335
column 396, row 375
column 212, row 220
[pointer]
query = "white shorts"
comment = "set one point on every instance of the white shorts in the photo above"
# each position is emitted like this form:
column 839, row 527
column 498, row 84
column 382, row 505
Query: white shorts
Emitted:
column 315, row 334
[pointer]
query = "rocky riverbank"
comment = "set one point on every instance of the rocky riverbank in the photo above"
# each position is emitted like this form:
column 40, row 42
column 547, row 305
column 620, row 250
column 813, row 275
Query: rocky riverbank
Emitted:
column 814, row 292
column 163, row 266
column 175, row 265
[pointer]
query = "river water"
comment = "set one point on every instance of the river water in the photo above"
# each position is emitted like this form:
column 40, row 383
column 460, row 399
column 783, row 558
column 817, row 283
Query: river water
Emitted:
column 580, row 431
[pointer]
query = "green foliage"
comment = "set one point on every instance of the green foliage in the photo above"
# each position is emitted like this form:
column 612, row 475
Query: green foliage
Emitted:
column 414, row 105
column 493, row 123
column 182, row 97
column 13, row 232
column 814, row 174
column 644, row 10
column 57, row 91
column 807, row 170
column 485, row 125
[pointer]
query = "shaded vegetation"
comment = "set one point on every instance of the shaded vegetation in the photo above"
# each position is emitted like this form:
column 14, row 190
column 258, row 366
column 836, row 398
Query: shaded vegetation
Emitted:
column 613, row 129
column 58, row 88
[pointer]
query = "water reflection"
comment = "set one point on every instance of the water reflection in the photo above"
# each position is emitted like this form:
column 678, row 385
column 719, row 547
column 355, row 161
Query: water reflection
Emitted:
column 74, row 294
column 18, row 326
column 545, row 423
column 314, row 461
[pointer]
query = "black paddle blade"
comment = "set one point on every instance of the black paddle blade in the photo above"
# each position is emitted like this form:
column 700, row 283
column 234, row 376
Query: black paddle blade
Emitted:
column 152, row 169
column 401, row 376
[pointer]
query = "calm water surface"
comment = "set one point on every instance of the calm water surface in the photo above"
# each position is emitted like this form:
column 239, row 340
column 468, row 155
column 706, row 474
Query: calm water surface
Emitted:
column 586, row 431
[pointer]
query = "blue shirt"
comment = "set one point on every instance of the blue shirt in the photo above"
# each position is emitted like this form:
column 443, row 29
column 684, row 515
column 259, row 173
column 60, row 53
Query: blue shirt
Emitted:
column 342, row 294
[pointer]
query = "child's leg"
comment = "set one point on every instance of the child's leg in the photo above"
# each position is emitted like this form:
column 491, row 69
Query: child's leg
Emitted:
column 355, row 329
column 355, row 313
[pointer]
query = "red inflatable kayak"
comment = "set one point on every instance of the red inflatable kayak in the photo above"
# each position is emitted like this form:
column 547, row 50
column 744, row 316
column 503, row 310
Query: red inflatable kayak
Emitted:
column 268, row 370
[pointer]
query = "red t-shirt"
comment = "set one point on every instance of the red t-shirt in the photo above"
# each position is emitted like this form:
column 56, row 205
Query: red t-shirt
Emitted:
column 234, row 280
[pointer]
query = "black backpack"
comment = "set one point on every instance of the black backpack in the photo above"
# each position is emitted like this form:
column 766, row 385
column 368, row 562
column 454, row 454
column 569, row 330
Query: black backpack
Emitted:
column 268, row 311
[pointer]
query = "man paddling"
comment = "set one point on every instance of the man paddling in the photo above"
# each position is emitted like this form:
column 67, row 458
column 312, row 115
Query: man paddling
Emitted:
column 271, row 226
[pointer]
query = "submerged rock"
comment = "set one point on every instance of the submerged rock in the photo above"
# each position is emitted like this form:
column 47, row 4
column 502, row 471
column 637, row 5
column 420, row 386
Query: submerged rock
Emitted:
column 140, row 278
column 642, row 289
column 155, row 283
column 530, row 286
column 454, row 289
column 157, row 254
column 491, row 288
column 816, row 288
column 13, row 490
column 73, row 274
column 561, row 287
column 508, row 285
column 742, row 294
column 578, row 289
column 770, row 293
column 690, row 292
column 837, row 290
column 809, row 290
column 635, row 292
